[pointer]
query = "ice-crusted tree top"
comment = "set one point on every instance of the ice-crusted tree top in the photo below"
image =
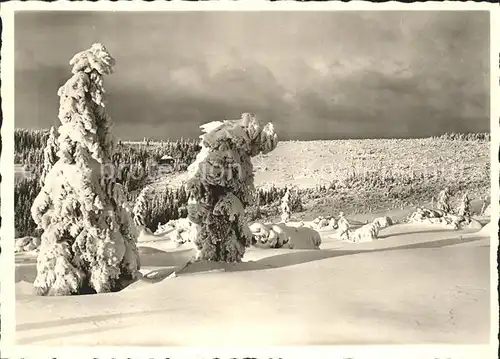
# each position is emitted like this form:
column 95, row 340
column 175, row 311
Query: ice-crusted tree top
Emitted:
column 86, row 128
column 96, row 58
column 245, row 134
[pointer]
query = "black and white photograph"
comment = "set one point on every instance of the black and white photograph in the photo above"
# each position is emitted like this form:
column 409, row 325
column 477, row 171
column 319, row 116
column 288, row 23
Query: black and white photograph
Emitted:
column 253, row 178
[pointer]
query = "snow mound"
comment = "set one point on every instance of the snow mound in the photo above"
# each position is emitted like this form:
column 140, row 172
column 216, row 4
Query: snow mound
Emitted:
column 383, row 222
column 27, row 244
column 366, row 233
column 446, row 219
column 180, row 230
column 487, row 210
column 24, row 287
column 283, row 235
column 486, row 229
column 328, row 222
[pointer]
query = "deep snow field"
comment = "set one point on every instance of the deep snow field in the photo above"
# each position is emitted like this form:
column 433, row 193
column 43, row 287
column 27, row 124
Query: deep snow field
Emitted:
column 417, row 284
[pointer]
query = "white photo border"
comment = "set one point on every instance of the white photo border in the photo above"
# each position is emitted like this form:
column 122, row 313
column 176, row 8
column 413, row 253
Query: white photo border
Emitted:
column 10, row 350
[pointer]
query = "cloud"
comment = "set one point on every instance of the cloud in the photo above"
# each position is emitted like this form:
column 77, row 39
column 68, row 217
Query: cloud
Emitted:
column 315, row 75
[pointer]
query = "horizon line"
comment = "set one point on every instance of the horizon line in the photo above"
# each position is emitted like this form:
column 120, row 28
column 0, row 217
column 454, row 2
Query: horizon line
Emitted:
column 196, row 139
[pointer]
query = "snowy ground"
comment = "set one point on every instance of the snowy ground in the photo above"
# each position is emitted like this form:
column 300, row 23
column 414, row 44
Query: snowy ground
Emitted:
column 417, row 284
column 307, row 164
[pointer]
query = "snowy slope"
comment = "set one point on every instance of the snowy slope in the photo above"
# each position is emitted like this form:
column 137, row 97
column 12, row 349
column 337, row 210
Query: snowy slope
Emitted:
column 416, row 285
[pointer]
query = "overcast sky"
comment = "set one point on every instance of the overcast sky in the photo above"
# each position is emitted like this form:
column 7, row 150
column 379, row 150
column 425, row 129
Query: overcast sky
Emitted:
column 316, row 75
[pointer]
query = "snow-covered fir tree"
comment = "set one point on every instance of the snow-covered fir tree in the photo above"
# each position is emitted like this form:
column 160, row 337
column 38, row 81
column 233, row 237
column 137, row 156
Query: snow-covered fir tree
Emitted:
column 49, row 154
column 286, row 212
column 443, row 202
column 464, row 206
column 222, row 184
column 486, row 208
column 87, row 242
column 140, row 207
column 344, row 226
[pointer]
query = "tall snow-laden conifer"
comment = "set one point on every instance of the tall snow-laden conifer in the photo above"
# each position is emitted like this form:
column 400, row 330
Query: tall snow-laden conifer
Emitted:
column 222, row 184
column 88, row 244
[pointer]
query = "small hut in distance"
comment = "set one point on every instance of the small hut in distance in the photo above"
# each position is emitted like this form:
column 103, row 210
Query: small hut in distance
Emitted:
column 166, row 161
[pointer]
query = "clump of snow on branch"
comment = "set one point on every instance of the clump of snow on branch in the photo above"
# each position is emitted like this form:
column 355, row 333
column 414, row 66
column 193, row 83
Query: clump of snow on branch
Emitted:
column 222, row 185
column 88, row 243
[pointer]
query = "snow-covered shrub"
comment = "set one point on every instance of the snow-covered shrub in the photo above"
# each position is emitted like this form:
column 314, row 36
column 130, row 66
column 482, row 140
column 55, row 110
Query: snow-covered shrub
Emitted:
column 328, row 222
column 443, row 202
column 365, row 233
column 430, row 216
column 26, row 244
column 321, row 222
column 275, row 236
column 344, row 226
column 464, row 208
column 383, row 222
column 282, row 235
column 87, row 243
column 460, row 222
column 180, row 230
column 422, row 214
column 333, row 223
column 487, row 210
column 273, row 239
column 222, row 185
column 266, row 234
column 269, row 200
column 260, row 232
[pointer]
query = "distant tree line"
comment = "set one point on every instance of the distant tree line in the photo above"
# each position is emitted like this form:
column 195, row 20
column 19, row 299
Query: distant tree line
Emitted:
column 25, row 192
column 136, row 161
column 165, row 205
column 479, row 136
